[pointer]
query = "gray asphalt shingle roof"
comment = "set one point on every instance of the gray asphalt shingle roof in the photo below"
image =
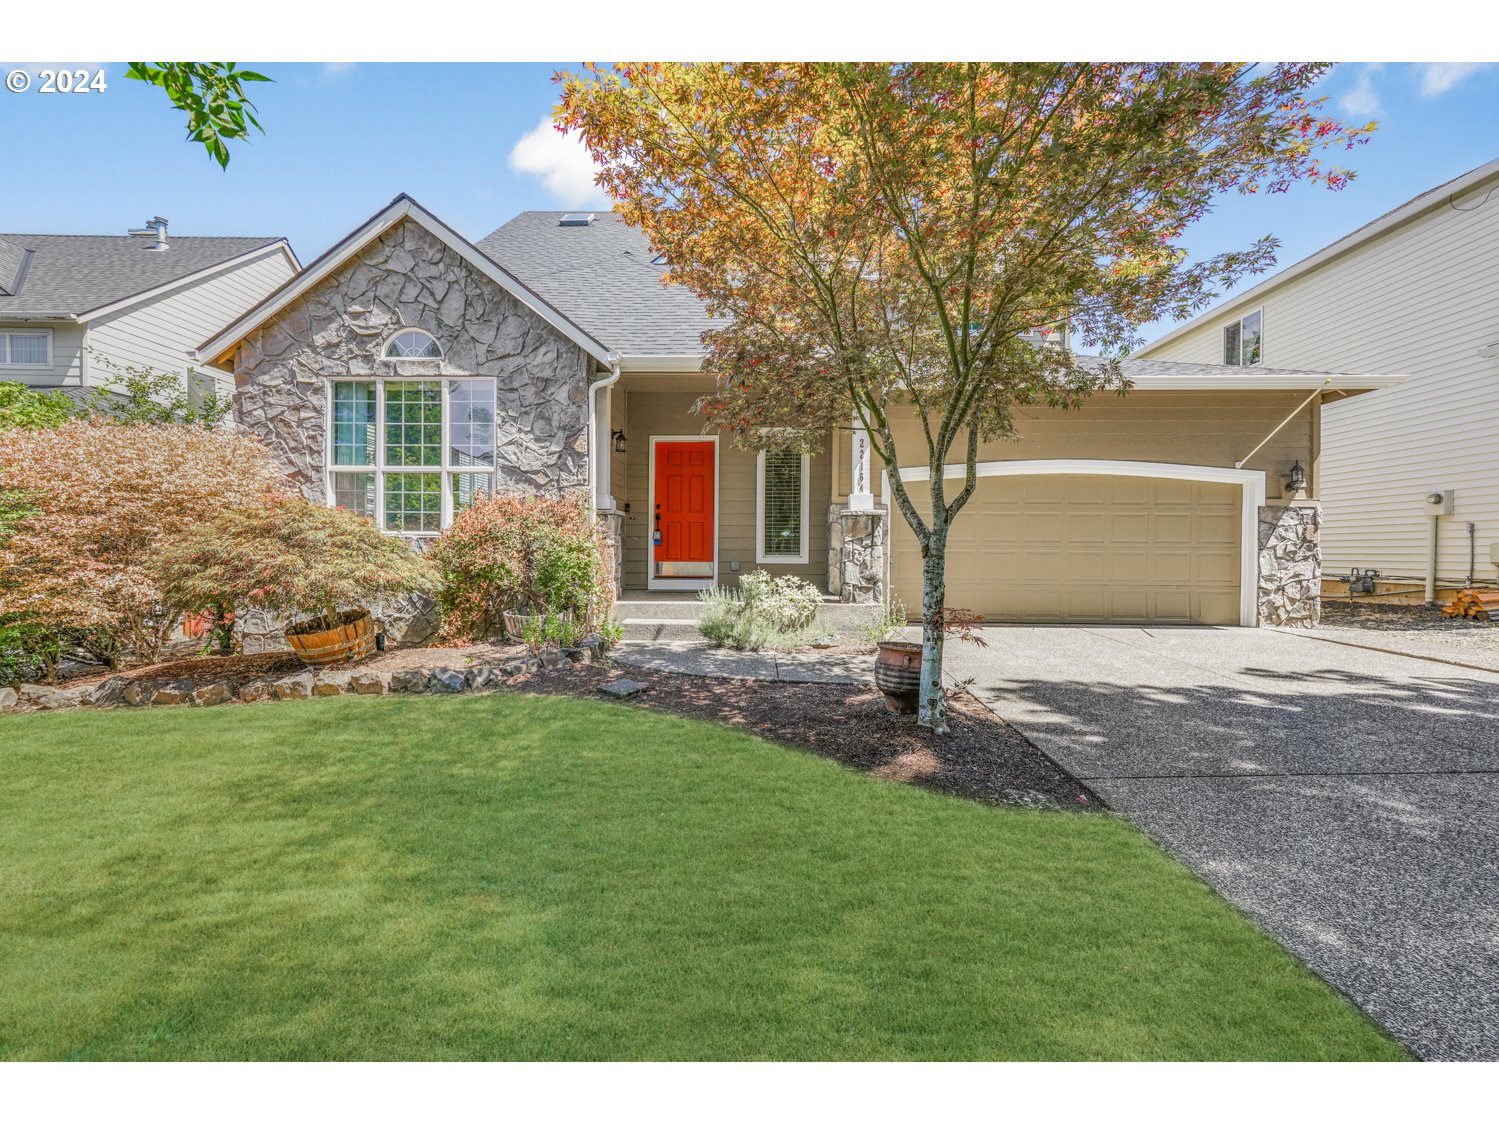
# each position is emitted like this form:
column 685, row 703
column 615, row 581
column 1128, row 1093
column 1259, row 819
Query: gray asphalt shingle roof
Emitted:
column 68, row 274
column 601, row 278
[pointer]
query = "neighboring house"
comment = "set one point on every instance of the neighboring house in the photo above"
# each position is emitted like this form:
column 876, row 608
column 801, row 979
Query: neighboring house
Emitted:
column 1414, row 293
column 407, row 370
column 139, row 299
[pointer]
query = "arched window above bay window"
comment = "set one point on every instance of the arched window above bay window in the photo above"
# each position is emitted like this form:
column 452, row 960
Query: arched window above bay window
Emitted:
column 411, row 343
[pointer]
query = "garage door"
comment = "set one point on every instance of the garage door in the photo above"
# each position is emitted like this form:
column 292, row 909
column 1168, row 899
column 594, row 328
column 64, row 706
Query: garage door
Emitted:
column 1100, row 549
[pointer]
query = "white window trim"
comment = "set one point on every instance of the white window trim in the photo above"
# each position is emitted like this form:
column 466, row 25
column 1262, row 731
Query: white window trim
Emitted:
column 1251, row 498
column 801, row 557
column 651, row 580
column 381, row 469
column 9, row 366
column 397, row 334
column 1240, row 322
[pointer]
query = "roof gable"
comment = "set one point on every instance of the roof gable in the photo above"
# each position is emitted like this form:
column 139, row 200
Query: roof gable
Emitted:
column 402, row 208
column 1390, row 220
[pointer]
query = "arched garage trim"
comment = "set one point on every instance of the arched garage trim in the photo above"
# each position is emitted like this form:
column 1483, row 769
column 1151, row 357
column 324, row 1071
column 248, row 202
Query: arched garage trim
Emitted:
column 1251, row 492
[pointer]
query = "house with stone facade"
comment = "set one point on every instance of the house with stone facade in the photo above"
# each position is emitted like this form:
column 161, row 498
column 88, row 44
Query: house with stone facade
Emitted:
column 408, row 370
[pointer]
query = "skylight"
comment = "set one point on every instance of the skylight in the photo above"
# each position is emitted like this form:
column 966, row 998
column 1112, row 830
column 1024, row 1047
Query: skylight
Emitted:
column 577, row 219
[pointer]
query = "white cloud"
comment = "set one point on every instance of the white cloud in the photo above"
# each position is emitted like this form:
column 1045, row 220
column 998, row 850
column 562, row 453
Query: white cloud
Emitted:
column 1439, row 77
column 562, row 163
column 1363, row 99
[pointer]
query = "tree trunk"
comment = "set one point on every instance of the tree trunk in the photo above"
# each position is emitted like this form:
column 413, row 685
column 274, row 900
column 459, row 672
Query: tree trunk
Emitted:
column 932, row 710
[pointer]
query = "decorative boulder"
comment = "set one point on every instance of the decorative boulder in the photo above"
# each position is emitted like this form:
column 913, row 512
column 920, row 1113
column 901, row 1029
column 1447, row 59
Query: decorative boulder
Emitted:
column 257, row 690
column 330, row 683
column 447, row 681
column 408, row 681
column 295, row 686
column 212, row 694
column 8, row 698
column 367, row 683
column 176, row 692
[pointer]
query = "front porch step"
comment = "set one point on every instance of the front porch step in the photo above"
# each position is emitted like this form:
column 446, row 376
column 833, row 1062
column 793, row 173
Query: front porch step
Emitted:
column 654, row 618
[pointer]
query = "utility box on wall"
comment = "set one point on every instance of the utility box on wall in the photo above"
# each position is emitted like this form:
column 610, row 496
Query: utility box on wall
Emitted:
column 1440, row 503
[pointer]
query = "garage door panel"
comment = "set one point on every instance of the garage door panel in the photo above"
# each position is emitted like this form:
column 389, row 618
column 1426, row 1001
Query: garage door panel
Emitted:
column 1073, row 548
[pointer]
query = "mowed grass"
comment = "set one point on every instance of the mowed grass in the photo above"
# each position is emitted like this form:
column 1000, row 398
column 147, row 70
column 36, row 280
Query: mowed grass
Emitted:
column 547, row 878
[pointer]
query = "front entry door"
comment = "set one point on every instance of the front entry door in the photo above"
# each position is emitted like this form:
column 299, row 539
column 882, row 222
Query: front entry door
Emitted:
column 683, row 538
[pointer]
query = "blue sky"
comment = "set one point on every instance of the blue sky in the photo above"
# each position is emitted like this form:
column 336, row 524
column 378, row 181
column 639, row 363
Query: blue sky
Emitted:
column 343, row 139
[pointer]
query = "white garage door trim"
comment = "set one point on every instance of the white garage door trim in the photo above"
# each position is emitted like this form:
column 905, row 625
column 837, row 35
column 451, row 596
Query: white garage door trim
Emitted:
column 1251, row 492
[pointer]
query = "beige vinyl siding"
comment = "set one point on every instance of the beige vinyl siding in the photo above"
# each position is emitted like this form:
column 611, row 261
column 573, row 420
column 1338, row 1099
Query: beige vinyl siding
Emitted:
column 1418, row 300
column 67, row 356
column 163, row 331
column 1202, row 427
column 665, row 413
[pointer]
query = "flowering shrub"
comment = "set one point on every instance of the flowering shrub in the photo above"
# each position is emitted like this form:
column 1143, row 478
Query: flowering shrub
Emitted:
column 532, row 554
column 766, row 611
column 94, row 506
column 286, row 555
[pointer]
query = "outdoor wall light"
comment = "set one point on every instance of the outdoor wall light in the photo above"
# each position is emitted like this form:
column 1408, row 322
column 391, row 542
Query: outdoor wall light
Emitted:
column 1295, row 479
column 619, row 441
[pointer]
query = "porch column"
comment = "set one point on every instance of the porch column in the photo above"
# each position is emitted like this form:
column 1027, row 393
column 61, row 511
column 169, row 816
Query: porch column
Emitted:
column 860, row 498
column 603, row 444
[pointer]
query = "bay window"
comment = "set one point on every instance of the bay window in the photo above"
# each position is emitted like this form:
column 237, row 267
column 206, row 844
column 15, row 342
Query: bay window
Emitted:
column 409, row 453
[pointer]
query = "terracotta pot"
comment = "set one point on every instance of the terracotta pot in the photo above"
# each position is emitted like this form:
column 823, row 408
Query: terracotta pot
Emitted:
column 351, row 637
column 897, row 673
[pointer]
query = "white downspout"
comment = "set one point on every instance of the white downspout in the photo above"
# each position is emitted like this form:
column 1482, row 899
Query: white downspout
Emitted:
column 594, row 450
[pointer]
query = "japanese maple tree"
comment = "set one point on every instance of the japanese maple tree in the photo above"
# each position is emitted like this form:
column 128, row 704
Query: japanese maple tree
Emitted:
column 876, row 237
column 99, row 502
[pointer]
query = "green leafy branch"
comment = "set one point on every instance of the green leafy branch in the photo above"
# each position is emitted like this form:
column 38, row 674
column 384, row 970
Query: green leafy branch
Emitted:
column 213, row 97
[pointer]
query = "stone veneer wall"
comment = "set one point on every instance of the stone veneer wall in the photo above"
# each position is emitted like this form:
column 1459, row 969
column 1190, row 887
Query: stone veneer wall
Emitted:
column 856, row 554
column 1290, row 557
column 410, row 279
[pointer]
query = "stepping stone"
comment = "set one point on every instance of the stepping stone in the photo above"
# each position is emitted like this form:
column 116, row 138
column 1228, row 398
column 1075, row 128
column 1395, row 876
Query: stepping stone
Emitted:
column 622, row 688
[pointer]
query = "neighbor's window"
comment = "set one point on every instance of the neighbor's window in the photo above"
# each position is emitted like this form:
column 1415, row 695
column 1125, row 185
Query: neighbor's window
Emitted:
column 781, row 493
column 410, row 453
column 1241, row 341
column 26, row 349
column 412, row 344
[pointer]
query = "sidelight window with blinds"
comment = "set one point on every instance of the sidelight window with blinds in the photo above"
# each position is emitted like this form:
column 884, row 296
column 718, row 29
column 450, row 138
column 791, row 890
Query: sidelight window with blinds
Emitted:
column 781, row 494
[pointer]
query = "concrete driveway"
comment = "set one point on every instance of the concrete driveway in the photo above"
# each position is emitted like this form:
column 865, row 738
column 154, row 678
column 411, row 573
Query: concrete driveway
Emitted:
column 1347, row 800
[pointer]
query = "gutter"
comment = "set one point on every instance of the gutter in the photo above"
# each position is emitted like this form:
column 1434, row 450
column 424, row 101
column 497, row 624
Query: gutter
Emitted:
column 593, row 429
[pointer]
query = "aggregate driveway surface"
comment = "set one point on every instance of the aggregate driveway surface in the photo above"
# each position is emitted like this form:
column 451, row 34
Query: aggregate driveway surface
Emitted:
column 1347, row 800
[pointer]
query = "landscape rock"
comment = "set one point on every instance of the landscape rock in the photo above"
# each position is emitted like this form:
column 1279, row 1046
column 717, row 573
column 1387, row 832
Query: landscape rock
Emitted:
column 622, row 688
column 331, row 683
column 212, row 694
column 411, row 680
column 140, row 692
column 298, row 685
column 111, row 691
column 176, row 692
column 484, row 678
column 36, row 692
column 445, row 680
column 8, row 698
column 257, row 690
column 521, row 666
column 367, row 683
column 71, row 696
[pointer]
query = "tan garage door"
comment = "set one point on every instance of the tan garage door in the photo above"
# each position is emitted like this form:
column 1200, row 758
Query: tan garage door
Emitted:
column 1101, row 549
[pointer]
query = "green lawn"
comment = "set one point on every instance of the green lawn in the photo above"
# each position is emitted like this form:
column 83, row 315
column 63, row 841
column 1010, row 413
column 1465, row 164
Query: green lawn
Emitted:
column 520, row 877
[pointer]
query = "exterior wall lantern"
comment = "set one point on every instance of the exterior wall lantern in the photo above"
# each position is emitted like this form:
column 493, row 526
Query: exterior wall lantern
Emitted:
column 619, row 441
column 1295, row 479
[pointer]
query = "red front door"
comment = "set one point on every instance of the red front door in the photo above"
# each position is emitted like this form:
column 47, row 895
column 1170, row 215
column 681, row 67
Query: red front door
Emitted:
column 682, row 519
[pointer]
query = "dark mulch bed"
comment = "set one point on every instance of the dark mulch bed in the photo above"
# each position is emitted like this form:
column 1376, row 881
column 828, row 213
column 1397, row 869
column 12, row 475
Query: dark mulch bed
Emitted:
column 1395, row 618
column 981, row 759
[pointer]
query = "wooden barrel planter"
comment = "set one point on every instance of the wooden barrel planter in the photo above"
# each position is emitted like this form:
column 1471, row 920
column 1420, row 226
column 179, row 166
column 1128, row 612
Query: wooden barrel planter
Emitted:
column 897, row 673
column 351, row 637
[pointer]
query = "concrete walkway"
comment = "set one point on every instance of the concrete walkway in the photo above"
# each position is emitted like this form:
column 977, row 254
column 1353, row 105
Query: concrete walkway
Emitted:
column 1346, row 799
column 697, row 657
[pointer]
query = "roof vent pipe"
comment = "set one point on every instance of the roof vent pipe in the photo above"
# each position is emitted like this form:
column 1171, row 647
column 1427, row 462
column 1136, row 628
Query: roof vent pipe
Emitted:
column 156, row 228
